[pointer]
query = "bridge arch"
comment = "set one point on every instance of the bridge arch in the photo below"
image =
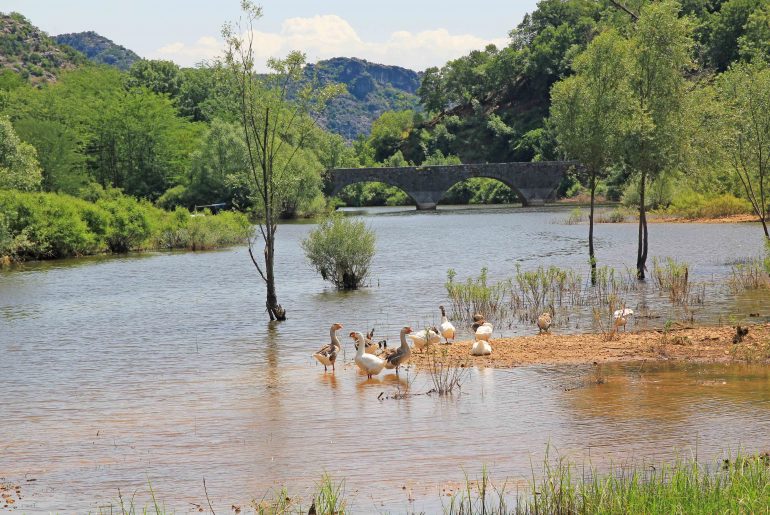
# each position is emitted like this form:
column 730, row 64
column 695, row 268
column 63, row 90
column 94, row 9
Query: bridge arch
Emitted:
column 338, row 191
column 534, row 182
column 512, row 187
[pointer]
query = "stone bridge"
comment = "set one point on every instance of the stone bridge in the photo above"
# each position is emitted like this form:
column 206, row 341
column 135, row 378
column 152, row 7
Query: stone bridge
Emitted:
column 534, row 183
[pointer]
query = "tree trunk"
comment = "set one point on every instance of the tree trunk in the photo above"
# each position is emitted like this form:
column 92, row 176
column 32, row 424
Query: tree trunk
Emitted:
column 641, row 258
column 274, row 310
column 591, row 255
column 764, row 226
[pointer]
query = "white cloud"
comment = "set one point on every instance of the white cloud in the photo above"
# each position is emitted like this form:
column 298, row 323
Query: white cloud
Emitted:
column 325, row 36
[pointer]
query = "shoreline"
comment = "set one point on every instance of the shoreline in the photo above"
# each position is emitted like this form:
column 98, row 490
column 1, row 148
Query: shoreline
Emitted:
column 700, row 344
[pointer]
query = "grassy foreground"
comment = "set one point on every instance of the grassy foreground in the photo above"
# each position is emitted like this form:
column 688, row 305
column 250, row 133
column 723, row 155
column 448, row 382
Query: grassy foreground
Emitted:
column 737, row 485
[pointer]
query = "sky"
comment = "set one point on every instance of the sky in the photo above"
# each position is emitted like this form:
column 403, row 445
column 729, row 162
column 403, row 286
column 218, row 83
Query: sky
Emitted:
column 414, row 34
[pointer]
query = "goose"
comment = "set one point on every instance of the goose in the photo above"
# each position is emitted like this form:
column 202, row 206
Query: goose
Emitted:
column 482, row 330
column 544, row 322
column 447, row 329
column 481, row 348
column 394, row 358
column 421, row 339
column 621, row 317
column 327, row 354
column 371, row 346
column 368, row 363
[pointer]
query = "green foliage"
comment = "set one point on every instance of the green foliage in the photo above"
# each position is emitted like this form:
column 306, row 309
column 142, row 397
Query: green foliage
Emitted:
column 29, row 50
column 49, row 225
column 744, row 92
column 99, row 49
column 727, row 27
column 19, row 168
column 158, row 76
column 477, row 295
column 690, row 204
column 388, row 131
column 755, row 41
column 341, row 250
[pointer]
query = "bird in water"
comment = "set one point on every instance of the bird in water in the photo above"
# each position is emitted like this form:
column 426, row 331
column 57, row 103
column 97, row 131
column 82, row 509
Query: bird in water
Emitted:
column 368, row 363
column 327, row 355
column 394, row 358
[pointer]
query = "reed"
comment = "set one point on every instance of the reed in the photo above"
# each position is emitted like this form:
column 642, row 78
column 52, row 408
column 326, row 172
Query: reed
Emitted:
column 750, row 275
column 477, row 295
column 445, row 373
column 673, row 278
column 576, row 216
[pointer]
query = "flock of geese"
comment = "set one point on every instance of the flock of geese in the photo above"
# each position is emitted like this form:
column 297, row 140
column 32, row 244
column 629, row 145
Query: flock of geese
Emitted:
column 372, row 357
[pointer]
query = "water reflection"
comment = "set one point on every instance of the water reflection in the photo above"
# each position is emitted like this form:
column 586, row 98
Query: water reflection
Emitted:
column 164, row 366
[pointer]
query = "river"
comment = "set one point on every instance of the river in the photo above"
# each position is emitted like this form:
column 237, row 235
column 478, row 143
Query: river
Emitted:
column 116, row 370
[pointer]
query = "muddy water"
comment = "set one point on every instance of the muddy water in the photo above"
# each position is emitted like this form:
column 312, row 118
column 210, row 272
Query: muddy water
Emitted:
column 162, row 367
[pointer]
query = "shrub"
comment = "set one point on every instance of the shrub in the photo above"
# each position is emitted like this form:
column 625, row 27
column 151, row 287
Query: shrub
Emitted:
column 129, row 223
column 341, row 250
column 690, row 204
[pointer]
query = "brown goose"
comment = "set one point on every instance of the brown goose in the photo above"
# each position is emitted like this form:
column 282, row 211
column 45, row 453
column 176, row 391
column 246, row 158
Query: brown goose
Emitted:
column 327, row 354
column 397, row 357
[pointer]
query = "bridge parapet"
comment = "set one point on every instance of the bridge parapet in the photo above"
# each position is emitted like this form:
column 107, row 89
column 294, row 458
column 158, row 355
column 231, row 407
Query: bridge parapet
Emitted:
column 533, row 182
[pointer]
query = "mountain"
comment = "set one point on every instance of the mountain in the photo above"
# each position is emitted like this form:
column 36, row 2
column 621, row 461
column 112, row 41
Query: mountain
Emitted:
column 372, row 89
column 29, row 51
column 99, row 49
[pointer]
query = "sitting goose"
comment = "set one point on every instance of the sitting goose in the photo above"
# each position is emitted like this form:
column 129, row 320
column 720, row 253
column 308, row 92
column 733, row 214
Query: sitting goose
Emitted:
column 327, row 354
column 421, row 339
column 394, row 358
column 482, row 332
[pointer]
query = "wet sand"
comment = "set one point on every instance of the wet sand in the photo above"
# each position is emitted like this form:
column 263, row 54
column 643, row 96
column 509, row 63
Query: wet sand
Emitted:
column 693, row 344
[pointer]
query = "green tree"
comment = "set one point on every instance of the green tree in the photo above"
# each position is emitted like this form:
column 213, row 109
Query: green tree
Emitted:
column 755, row 42
column 388, row 131
column 19, row 168
column 590, row 111
column 341, row 250
column 275, row 113
column 660, row 48
column 726, row 27
column 162, row 77
column 745, row 94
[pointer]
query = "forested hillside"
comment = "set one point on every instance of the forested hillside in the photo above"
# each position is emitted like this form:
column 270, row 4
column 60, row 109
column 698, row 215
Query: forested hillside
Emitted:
column 372, row 90
column 99, row 49
column 30, row 53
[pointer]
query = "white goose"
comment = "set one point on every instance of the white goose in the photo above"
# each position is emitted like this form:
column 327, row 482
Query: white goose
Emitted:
column 327, row 355
column 447, row 329
column 621, row 317
column 371, row 346
column 368, row 363
column 421, row 339
column 482, row 331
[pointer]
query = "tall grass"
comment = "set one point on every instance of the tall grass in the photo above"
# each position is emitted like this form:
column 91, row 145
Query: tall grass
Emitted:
column 477, row 295
column 446, row 374
column 750, row 275
column 673, row 278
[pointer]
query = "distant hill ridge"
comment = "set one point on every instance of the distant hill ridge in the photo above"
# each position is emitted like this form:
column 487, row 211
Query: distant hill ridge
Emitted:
column 99, row 49
column 372, row 89
column 30, row 52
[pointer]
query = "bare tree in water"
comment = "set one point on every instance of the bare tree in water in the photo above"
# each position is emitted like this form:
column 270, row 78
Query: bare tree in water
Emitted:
column 277, row 112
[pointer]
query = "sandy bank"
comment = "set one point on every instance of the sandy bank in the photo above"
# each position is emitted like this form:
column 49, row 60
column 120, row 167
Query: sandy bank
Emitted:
column 698, row 344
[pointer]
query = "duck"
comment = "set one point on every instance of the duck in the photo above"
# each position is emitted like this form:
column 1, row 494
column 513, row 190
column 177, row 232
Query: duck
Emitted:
column 368, row 363
column 447, row 329
column 421, row 339
column 327, row 354
column 544, row 322
column 394, row 358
